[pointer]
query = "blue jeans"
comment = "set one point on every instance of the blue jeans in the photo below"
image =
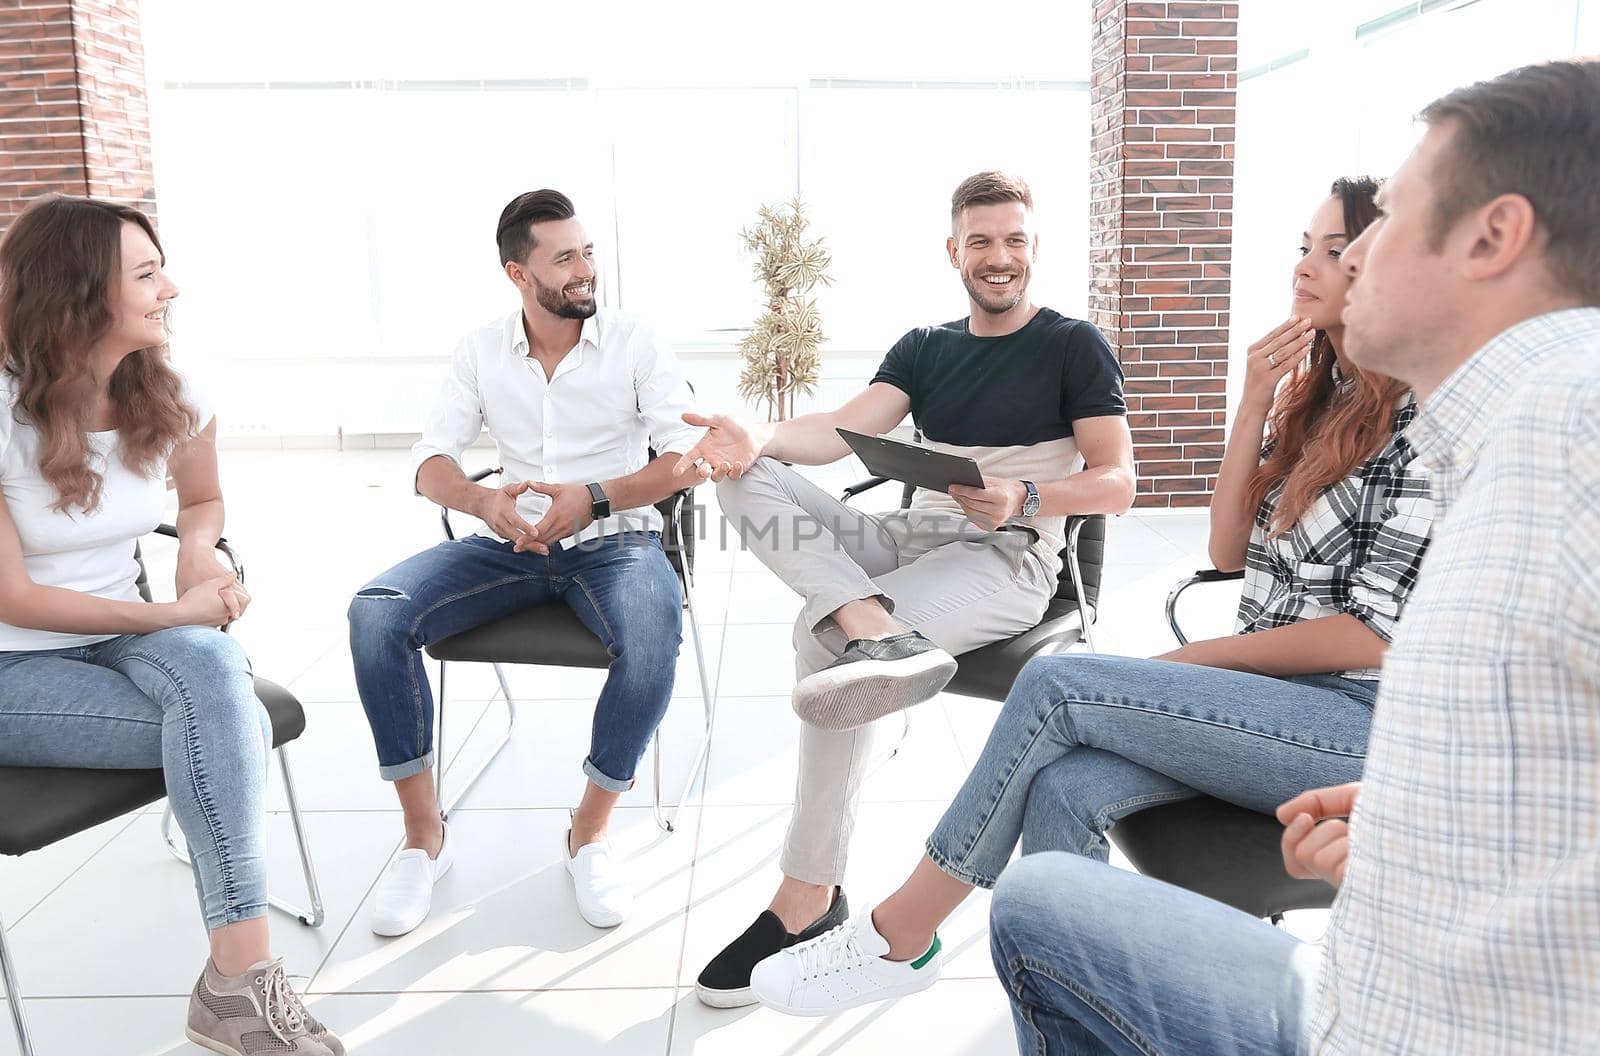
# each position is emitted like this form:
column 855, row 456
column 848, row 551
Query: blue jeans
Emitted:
column 1085, row 740
column 181, row 699
column 1099, row 961
column 621, row 586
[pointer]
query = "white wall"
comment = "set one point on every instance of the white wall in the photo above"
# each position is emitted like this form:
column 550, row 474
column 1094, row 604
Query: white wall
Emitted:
column 1347, row 109
column 330, row 174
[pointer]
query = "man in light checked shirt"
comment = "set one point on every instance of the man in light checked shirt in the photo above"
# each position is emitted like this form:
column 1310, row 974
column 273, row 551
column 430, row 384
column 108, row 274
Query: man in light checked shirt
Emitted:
column 1468, row 918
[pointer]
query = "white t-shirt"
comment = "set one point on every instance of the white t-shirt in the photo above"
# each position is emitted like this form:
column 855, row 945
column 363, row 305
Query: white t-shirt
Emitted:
column 88, row 552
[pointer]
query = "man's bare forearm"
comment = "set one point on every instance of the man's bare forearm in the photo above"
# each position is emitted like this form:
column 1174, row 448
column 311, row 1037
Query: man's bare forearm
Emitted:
column 646, row 487
column 809, row 440
column 440, row 480
column 1098, row 489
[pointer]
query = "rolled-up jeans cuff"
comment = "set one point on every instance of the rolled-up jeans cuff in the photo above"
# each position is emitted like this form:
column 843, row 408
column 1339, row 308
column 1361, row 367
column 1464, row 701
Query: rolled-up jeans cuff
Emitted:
column 947, row 865
column 609, row 784
column 237, row 915
column 400, row 771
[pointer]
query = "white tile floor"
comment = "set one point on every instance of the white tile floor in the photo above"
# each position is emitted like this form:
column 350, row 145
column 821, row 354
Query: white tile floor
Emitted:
column 103, row 925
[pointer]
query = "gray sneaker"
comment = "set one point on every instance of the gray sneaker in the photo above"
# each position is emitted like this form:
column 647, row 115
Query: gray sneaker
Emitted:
column 257, row 1012
column 872, row 679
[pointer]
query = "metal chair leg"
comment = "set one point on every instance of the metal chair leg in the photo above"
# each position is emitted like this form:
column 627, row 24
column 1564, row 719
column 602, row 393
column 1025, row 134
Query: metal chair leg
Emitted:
column 1086, row 613
column 662, row 821
column 8, row 975
column 314, row 918
column 709, row 701
column 311, row 918
column 446, row 806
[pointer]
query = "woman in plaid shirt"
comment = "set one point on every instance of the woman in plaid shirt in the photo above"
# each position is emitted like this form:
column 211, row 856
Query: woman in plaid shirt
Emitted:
column 1320, row 500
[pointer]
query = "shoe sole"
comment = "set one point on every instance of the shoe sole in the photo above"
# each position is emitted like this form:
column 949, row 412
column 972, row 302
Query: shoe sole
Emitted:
column 725, row 998
column 209, row 1045
column 840, row 699
column 395, row 931
column 865, row 999
column 602, row 922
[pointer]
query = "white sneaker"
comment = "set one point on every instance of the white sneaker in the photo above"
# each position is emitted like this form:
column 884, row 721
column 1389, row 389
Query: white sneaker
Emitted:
column 602, row 890
column 405, row 893
column 841, row 969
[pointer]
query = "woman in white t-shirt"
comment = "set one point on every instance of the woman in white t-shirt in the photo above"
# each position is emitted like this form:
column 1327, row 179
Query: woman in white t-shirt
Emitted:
column 93, row 420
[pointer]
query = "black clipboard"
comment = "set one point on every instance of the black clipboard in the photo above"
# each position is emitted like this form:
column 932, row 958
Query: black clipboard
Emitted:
column 912, row 463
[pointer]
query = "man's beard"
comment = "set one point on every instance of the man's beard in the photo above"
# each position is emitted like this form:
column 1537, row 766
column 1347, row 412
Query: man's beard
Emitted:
column 981, row 293
column 554, row 300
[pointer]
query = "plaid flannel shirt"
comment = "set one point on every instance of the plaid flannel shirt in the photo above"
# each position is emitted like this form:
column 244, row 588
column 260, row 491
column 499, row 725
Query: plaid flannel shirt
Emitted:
column 1357, row 550
column 1469, row 919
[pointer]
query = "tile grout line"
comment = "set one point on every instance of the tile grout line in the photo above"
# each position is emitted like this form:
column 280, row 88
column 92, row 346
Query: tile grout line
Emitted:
column 133, row 820
column 700, row 822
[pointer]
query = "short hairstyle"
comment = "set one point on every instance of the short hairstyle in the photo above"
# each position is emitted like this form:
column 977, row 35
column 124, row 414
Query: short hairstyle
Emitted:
column 514, row 233
column 988, row 188
column 1535, row 132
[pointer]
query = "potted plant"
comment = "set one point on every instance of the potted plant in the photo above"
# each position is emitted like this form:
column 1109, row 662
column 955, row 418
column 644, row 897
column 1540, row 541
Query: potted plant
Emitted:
column 780, row 352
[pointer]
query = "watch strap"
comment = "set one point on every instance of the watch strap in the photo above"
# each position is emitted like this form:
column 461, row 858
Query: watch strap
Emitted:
column 599, row 503
column 1030, row 505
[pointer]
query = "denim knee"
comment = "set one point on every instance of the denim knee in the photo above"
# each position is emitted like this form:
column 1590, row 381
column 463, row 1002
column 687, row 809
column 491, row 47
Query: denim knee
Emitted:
column 187, row 654
column 201, row 646
column 378, row 613
column 1060, row 813
column 1029, row 893
column 1068, row 674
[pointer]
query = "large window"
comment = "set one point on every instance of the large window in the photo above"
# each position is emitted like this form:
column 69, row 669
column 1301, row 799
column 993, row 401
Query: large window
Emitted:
column 1329, row 88
column 330, row 175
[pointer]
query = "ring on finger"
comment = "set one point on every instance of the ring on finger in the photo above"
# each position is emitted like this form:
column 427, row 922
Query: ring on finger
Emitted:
column 1272, row 359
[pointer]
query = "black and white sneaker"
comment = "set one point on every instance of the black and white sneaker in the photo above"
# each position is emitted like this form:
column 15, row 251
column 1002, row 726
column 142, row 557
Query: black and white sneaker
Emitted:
column 725, row 983
column 872, row 679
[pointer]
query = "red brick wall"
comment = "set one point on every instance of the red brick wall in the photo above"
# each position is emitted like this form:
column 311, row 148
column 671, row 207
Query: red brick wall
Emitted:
column 73, row 116
column 1162, row 90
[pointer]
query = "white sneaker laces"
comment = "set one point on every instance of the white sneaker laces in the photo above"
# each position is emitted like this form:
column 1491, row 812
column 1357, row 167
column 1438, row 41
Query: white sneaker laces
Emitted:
column 286, row 1016
column 839, row 947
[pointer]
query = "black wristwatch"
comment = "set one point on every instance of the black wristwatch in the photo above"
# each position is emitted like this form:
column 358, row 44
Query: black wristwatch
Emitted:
column 599, row 505
column 1030, row 505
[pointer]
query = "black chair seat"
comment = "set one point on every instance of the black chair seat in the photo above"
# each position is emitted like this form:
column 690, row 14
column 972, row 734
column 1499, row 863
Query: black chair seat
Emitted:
column 989, row 670
column 46, row 804
column 1221, row 851
column 549, row 634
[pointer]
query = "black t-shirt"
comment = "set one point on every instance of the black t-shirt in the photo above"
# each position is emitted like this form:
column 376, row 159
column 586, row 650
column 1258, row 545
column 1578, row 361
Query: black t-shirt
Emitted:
column 1026, row 387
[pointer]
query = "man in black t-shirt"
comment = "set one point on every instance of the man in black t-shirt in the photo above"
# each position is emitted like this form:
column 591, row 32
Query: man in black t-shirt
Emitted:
column 1035, row 398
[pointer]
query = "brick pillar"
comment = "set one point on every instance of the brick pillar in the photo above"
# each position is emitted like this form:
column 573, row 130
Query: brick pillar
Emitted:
column 1162, row 89
column 73, row 115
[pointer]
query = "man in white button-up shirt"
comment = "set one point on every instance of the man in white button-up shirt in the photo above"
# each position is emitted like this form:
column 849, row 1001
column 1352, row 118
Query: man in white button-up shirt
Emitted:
column 575, row 398
column 1468, row 916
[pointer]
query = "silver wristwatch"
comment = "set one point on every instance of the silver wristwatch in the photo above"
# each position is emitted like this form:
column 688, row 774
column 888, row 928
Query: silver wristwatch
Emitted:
column 1030, row 505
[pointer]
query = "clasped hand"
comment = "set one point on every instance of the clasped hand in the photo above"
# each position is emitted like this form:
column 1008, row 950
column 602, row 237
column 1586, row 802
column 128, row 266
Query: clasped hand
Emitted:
column 571, row 511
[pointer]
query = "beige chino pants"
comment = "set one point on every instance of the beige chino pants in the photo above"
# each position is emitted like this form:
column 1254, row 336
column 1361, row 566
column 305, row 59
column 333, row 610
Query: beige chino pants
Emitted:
column 960, row 586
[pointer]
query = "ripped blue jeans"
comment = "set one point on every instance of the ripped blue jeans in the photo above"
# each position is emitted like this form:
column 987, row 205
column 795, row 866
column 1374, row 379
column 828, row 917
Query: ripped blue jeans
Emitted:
column 1085, row 740
column 621, row 586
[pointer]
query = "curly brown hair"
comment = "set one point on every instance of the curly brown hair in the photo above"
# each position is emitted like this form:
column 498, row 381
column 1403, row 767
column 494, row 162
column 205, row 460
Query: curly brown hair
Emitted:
column 60, row 265
column 1329, row 417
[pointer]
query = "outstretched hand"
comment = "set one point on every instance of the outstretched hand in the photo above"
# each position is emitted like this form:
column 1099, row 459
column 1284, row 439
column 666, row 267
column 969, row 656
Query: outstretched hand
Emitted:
column 727, row 448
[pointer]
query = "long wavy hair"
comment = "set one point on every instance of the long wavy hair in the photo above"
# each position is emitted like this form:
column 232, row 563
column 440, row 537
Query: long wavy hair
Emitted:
column 1329, row 417
column 60, row 268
